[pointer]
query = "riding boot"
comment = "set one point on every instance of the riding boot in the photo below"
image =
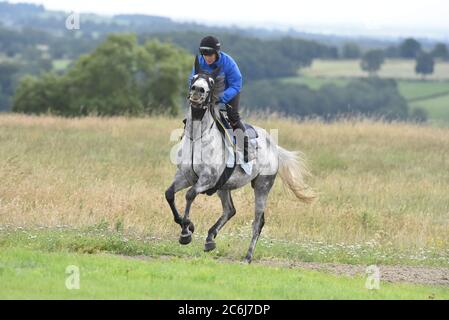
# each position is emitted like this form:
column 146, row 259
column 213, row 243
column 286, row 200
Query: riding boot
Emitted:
column 241, row 139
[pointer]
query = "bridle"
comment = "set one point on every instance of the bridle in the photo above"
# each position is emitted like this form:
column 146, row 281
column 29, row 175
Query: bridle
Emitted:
column 199, row 108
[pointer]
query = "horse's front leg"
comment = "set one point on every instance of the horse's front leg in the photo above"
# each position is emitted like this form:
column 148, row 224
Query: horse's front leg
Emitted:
column 199, row 187
column 179, row 183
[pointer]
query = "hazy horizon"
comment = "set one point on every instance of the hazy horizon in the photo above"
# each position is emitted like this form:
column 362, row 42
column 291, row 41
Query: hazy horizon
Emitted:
column 383, row 18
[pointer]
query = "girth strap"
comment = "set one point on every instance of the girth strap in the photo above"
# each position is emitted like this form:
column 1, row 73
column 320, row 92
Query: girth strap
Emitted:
column 226, row 174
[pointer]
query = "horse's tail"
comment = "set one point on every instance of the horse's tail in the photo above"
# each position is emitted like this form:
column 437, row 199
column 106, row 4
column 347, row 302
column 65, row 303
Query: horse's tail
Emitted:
column 292, row 169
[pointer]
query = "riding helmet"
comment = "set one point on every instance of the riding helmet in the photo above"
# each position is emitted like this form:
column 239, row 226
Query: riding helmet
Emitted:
column 209, row 45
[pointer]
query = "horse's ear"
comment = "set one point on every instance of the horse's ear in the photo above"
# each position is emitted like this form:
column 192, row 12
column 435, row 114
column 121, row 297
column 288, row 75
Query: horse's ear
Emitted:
column 197, row 65
column 216, row 72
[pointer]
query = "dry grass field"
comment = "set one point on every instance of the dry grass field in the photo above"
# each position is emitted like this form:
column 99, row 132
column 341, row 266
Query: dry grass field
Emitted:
column 382, row 186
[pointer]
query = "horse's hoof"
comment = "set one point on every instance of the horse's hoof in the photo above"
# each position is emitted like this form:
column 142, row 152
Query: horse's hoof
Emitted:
column 248, row 259
column 185, row 238
column 209, row 246
column 191, row 227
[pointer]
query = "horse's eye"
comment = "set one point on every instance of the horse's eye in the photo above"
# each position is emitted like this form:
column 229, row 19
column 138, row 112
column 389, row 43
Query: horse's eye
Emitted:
column 193, row 87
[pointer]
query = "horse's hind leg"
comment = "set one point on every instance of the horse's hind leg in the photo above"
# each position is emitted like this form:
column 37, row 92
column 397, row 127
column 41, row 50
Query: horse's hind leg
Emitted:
column 228, row 213
column 179, row 183
column 262, row 186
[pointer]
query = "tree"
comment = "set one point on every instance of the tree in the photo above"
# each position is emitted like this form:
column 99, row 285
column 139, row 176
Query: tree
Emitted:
column 424, row 64
column 8, row 74
column 418, row 114
column 372, row 61
column 4, row 100
column 410, row 48
column 351, row 51
column 120, row 77
column 440, row 51
column 257, row 58
column 372, row 97
column 41, row 95
column 392, row 52
column 165, row 80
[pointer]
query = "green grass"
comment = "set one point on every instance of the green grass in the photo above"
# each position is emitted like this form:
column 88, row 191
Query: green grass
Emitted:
column 438, row 108
column 420, row 90
column 432, row 96
column 27, row 274
column 99, row 239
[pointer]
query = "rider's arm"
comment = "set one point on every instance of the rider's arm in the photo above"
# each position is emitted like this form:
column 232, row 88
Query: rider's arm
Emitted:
column 234, row 79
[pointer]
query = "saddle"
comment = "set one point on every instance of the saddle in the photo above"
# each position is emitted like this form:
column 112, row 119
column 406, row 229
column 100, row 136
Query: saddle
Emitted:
column 224, row 126
column 226, row 130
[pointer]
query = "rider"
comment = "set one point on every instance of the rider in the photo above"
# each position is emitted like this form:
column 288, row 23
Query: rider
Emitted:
column 212, row 57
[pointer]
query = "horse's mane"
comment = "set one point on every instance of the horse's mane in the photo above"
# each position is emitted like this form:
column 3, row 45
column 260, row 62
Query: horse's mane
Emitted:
column 219, row 88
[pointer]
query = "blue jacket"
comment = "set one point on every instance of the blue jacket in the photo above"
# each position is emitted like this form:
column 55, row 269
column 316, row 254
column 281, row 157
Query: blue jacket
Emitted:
column 230, row 70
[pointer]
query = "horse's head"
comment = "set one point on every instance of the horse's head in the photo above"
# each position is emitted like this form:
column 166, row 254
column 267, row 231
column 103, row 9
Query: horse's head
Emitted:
column 202, row 86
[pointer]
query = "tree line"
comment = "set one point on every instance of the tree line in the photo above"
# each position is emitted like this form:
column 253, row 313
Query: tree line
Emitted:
column 409, row 48
column 372, row 60
column 125, row 76
column 120, row 77
column 32, row 52
column 132, row 88
column 370, row 97
column 257, row 58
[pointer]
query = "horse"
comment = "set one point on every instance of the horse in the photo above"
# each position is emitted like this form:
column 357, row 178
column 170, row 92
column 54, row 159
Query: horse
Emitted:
column 201, row 165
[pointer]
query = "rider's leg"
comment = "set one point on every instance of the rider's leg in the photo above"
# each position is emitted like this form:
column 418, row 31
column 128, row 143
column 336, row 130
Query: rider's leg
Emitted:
column 232, row 109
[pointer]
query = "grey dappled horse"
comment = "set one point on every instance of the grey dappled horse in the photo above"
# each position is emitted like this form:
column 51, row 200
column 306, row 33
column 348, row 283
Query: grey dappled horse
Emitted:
column 201, row 161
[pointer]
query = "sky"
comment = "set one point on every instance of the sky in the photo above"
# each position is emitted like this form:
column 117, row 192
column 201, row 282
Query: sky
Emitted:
column 429, row 17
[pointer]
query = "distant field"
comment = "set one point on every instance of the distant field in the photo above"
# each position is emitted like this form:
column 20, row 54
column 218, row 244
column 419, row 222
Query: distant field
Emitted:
column 61, row 64
column 438, row 108
column 393, row 68
column 4, row 58
column 315, row 83
column 410, row 89
column 423, row 90
column 431, row 94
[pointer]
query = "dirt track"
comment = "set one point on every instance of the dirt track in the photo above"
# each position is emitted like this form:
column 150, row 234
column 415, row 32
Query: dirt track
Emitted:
column 388, row 273
column 417, row 275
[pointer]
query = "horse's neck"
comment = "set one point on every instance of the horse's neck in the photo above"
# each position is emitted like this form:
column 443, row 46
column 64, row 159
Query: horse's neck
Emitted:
column 198, row 128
